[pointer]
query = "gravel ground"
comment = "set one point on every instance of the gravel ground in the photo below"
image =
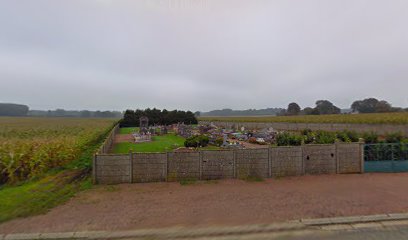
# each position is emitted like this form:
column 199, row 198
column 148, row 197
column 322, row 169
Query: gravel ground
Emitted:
column 123, row 138
column 221, row 203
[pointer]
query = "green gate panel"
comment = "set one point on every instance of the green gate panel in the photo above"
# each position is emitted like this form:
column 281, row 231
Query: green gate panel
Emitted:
column 386, row 166
column 400, row 166
column 386, row 157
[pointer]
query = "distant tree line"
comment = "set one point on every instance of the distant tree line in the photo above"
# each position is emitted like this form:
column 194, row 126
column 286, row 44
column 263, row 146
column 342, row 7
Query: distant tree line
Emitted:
column 156, row 116
column 322, row 107
column 18, row 110
column 372, row 105
column 369, row 105
column 13, row 110
column 71, row 113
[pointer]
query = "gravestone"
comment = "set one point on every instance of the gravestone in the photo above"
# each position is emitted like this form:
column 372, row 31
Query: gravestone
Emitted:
column 144, row 125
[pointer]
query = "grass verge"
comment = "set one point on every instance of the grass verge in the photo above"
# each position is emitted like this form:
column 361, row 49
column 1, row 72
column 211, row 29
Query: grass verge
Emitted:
column 128, row 130
column 37, row 197
column 57, row 186
column 252, row 179
column 163, row 143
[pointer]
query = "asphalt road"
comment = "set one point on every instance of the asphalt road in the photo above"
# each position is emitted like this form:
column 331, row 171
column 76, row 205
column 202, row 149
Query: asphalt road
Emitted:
column 371, row 230
column 394, row 230
column 390, row 233
column 370, row 234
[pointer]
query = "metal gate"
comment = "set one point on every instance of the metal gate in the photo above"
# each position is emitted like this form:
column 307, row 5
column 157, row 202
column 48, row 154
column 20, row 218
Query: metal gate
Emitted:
column 386, row 157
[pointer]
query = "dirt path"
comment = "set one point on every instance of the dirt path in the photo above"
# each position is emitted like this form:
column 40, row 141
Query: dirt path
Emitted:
column 123, row 138
column 229, row 202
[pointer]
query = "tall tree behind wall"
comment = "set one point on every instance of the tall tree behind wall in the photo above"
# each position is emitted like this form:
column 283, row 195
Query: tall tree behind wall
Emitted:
column 156, row 116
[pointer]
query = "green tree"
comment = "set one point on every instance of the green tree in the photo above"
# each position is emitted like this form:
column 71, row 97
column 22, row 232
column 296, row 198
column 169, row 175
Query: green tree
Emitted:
column 293, row 109
column 326, row 107
column 371, row 105
column 307, row 111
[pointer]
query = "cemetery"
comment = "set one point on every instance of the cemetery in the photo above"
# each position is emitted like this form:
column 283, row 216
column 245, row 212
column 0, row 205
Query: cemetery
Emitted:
column 179, row 151
column 211, row 136
column 208, row 136
column 175, row 137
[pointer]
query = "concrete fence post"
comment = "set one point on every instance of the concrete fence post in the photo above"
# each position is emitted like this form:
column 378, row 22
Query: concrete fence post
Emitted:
column 130, row 167
column 167, row 166
column 336, row 152
column 362, row 157
column 165, row 169
column 303, row 159
column 94, row 162
column 200, row 165
column 269, row 163
column 234, row 164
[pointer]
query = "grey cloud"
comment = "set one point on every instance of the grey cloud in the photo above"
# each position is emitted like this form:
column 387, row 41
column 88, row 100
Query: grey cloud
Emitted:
column 202, row 54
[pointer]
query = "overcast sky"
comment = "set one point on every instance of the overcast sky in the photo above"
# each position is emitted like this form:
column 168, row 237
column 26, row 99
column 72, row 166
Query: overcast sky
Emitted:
column 202, row 54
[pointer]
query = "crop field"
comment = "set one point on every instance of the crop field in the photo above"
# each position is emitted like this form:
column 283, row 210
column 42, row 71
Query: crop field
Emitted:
column 30, row 147
column 369, row 118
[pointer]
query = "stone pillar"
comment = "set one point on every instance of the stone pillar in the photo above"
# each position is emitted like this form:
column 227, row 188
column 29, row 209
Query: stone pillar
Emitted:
column 131, row 167
column 94, row 179
column 362, row 157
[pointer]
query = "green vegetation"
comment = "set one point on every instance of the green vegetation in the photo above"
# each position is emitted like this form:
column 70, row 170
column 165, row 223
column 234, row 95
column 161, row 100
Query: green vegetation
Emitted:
column 372, row 105
column 124, row 147
column 36, row 197
column 32, row 146
column 288, row 139
column 308, row 136
column 348, row 136
column 197, row 141
column 161, row 117
column 369, row 118
column 60, row 178
column 323, row 137
column 185, row 182
column 370, row 137
column 315, row 137
column 394, row 138
column 128, row 130
column 163, row 143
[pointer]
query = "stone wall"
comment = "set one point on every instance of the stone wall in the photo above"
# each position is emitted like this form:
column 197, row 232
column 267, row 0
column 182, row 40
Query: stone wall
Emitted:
column 345, row 157
column 149, row 167
column 217, row 165
column 319, row 159
column 183, row 166
column 252, row 163
column 108, row 143
column 286, row 161
column 381, row 129
column 224, row 164
column 112, row 169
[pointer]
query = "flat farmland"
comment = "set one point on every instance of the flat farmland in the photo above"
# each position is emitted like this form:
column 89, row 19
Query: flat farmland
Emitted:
column 369, row 118
column 31, row 146
column 45, row 161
